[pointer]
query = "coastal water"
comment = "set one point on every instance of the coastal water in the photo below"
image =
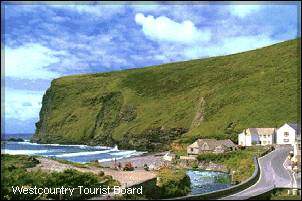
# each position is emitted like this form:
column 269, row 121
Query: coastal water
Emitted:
column 74, row 153
column 207, row 181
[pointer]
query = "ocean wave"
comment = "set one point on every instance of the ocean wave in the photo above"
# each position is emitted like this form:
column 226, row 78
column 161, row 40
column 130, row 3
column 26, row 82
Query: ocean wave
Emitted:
column 84, row 153
column 23, row 152
column 122, row 153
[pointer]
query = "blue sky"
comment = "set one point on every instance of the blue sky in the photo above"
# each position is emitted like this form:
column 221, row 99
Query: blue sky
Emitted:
column 43, row 42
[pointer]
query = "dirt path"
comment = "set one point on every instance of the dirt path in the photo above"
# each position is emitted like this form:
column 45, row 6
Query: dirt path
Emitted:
column 126, row 178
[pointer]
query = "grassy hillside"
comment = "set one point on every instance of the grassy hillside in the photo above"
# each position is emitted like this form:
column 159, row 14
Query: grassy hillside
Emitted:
column 150, row 107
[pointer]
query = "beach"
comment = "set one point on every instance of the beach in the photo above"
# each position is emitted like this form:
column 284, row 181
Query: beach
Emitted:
column 126, row 178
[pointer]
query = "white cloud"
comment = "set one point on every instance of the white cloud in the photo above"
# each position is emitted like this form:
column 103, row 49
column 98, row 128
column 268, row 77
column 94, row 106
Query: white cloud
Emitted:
column 243, row 10
column 230, row 45
column 165, row 29
column 103, row 11
column 22, row 104
column 30, row 61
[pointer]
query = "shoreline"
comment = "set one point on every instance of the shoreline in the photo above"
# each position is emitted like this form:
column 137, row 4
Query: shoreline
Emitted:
column 154, row 160
column 125, row 178
column 151, row 159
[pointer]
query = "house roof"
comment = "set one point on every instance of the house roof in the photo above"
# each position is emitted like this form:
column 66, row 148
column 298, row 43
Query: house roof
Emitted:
column 262, row 131
column 294, row 126
column 228, row 143
column 213, row 143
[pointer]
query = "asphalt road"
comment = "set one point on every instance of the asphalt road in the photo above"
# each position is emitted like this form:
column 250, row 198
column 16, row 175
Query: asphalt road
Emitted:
column 273, row 173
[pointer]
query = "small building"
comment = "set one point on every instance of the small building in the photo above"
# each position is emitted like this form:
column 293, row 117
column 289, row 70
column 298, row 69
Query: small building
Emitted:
column 257, row 136
column 169, row 157
column 210, row 145
column 288, row 134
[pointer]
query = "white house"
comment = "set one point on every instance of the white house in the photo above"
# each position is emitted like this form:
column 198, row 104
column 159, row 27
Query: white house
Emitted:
column 257, row 136
column 288, row 134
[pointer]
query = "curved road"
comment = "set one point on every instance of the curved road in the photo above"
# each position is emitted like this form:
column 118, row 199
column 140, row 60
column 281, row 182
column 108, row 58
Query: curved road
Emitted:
column 273, row 173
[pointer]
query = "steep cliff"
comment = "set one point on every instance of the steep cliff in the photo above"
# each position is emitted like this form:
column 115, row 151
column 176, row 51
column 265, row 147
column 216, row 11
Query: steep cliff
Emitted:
column 148, row 108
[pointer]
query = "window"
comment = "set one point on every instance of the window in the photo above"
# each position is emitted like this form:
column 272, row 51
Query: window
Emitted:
column 264, row 136
column 192, row 149
column 285, row 140
column 286, row 134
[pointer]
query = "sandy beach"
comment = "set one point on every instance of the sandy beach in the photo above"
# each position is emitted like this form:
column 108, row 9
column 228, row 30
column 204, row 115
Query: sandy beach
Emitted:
column 126, row 178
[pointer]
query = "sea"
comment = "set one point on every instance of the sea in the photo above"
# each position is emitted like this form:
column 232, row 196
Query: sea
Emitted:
column 75, row 153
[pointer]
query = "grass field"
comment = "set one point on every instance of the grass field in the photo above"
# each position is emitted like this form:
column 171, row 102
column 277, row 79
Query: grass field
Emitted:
column 148, row 108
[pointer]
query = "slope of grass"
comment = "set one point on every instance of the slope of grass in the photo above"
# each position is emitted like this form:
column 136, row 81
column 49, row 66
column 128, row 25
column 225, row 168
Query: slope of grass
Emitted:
column 150, row 107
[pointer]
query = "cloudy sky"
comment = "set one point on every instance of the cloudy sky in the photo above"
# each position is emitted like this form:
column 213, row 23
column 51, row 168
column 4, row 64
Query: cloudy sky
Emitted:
column 43, row 42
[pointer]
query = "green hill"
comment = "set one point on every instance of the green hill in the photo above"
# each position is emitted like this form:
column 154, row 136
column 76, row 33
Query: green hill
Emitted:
column 148, row 108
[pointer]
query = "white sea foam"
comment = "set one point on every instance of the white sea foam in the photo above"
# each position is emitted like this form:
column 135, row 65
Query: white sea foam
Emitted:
column 122, row 153
column 84, row 153
column 23, row 152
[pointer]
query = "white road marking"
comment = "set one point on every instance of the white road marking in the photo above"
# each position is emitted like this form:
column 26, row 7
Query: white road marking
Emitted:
column 295, row 184
column 291, row 179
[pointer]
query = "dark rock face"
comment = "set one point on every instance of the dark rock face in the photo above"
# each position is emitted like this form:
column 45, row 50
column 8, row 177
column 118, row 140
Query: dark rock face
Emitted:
column 154, row 139
column 110, row 111
column 107, row 119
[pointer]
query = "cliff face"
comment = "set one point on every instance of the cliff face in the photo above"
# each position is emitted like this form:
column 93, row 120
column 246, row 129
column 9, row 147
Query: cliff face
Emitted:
column 148, row 108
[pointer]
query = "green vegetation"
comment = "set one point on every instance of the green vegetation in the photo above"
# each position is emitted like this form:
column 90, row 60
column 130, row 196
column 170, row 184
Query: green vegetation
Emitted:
column 173, row 183
column 240, row 161
column 75, row 164
column 79, row 165
column 14, row 173
column 278, row 194
column 282, row 194
column 148, row 108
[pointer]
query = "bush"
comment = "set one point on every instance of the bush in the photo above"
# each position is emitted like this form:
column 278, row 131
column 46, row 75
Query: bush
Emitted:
column 101, row 174
column 173, row 183
column 212, row 157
